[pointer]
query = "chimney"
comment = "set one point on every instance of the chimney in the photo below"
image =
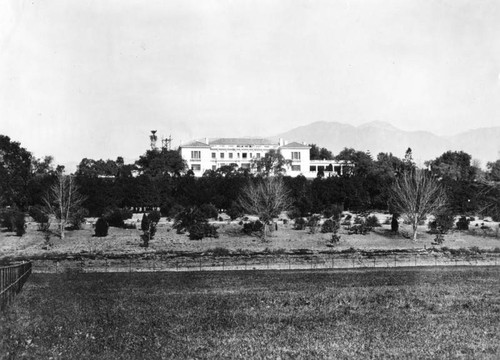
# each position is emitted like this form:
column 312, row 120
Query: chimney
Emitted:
column 206, row 141
column 281, row 143
column 286, row 142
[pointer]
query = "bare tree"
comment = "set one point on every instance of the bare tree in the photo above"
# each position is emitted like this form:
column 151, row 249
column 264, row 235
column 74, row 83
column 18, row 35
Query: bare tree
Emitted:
column 64, row 201
column 415, row 195
column 266, row 198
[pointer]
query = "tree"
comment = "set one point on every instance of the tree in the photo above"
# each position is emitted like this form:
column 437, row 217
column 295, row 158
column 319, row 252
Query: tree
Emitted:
column 266, row 198
column 317, row 153
column 15, row 173
column 415, row 195
column 64, row 201
column 273, row 163
column 161, row 162
column 453, row 165
column 494, row 170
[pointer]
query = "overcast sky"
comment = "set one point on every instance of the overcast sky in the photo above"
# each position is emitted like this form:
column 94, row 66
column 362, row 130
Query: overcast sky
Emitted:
column 92, row 78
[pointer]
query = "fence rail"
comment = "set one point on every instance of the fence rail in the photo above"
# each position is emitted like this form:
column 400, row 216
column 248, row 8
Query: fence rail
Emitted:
column 285, row 262
column 12, row 279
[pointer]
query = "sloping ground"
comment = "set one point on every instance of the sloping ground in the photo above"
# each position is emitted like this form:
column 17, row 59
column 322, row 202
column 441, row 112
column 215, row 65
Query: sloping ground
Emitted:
column 127, row 241
column 430, row 313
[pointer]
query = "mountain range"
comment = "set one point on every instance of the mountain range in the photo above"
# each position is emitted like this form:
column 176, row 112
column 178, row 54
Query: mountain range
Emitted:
column 378, row 136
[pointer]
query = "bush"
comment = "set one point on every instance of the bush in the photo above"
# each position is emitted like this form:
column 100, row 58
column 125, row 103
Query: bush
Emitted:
column 234, row 211
column 209, row 211
column 442, row 223
column 329, row 226
column 335, row 239
column 463, row 223
column 358, row 220
column 395, row 223
column 154, row 216
column 372, row 221
column 333, row 211
column 294, row 213
column 114, row 217
column 187, row 218
column 144, row 222
column 78, row 218
column 200, row 230
column 13, row 220
column 313, row 223
column 101, row 227
column 299, row 223
column 361, row 229
column 40, row 216
column 252, row 227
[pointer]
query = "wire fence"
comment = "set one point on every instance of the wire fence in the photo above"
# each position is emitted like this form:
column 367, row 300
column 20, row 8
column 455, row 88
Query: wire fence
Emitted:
column 283, row 262
column 12, row 279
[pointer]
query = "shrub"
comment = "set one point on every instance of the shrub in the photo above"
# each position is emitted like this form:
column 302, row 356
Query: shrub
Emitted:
column 187, row 218
column 442, row 223
column 299, row 223
column 294, row 213
column 202, row 229
column 358, row 220
column 439, row 239
column 40, row 216
column 372, row 221
column 234, row 211
column 113, row 217
column 13, row 220
column 313, row 223
column 329, row 226
column 78, row 218
column 335, row 239
column 209, row 211
column 334, row 211
column 360, row 229
column 395, row 223
column 101, row 227
column 144, row 223
column 463, row 223
column 154, row 216
column 253, row 227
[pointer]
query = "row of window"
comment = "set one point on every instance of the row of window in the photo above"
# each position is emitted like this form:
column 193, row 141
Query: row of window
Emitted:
column 230, row 155
column 197, row 167
column 197, row 155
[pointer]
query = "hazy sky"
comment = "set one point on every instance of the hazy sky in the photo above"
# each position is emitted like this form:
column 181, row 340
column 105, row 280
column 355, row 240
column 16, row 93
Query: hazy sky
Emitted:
column 92, row 78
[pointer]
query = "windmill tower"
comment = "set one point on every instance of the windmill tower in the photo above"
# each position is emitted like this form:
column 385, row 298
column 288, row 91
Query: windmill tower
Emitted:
column 153, row 139
column 166, row 143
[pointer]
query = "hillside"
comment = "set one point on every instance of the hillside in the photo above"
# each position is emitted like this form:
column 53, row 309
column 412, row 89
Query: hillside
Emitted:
column 380, row 136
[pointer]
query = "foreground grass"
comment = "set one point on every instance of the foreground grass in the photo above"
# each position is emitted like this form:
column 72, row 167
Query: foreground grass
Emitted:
column 402, row 313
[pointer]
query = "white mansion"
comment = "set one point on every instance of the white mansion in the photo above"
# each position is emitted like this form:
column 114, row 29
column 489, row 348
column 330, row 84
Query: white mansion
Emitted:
column 201, row 156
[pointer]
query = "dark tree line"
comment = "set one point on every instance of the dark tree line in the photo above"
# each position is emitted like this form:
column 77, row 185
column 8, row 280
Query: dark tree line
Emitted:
column 159, row 180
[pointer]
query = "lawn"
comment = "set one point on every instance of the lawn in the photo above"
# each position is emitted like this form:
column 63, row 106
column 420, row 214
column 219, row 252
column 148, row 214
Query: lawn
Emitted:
column 390, row 313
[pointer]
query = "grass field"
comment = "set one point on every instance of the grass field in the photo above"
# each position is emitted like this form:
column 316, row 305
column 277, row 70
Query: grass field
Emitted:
column 403, row 313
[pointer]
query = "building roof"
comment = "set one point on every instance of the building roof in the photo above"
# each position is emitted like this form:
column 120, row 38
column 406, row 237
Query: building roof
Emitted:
column 241, row 141
column 296, row 145
column 196, row 144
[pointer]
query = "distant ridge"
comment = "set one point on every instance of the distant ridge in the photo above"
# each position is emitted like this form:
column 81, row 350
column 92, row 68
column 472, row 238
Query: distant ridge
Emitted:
column 379, row 136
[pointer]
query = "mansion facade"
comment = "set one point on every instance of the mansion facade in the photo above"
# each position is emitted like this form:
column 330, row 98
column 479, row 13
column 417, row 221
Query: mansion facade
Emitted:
column 201, row 156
